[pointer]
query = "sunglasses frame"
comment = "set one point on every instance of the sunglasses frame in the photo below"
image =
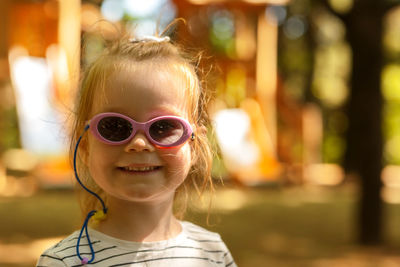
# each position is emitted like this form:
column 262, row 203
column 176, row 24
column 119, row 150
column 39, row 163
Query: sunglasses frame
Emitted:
column 143, row 126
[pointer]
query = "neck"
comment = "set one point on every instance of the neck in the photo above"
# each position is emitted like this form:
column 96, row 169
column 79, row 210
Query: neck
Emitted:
column 140, row 222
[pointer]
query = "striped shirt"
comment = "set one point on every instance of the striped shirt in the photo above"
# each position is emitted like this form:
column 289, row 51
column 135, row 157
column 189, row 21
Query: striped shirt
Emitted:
column 193, row 247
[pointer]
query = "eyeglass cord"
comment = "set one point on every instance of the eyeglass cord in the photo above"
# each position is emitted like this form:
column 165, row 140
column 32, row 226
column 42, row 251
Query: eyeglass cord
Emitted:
column 99, row 215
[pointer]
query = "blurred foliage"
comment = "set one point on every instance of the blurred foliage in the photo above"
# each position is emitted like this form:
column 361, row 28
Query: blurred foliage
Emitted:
column 235, row 86
column 9, row 130
column 391, row 88
column 222, row 32
column 315, row 67
column 391, row 93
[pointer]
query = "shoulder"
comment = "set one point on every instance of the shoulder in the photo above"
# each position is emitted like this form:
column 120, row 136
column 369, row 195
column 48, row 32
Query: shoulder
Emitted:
column 208, row 243
column 60, row 253
column 195, row 231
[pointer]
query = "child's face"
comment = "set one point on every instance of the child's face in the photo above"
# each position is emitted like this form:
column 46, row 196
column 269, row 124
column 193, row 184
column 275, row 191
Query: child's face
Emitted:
column 122, row 171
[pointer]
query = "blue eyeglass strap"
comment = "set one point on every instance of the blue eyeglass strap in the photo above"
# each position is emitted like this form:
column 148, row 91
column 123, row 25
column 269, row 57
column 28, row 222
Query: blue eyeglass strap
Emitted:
column 100, row 215
column 76, row 172
column 85, row 260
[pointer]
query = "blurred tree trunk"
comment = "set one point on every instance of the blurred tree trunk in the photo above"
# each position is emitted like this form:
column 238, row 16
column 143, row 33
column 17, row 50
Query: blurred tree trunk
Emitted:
column 364, row 136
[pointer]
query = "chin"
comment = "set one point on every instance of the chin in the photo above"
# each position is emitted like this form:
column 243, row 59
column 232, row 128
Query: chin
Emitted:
column 147, row 196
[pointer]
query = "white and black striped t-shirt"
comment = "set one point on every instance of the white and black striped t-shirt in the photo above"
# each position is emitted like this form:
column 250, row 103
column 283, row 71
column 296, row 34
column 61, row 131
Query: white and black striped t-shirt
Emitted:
column 193, row 247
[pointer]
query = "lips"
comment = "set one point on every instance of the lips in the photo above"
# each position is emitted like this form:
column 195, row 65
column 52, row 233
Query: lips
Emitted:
column 139, row 169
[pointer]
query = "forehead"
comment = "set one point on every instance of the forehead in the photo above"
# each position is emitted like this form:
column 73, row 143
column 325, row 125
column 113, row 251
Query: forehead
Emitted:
column 141, row 89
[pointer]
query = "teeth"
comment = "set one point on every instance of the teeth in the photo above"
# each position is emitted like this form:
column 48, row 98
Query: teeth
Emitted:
column 140, row 169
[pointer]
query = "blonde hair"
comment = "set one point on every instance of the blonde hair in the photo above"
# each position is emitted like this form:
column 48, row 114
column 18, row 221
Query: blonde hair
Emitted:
column 119, row 52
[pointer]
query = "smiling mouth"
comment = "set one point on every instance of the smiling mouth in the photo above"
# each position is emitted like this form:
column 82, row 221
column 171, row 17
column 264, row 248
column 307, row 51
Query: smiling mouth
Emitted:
column 145, row 169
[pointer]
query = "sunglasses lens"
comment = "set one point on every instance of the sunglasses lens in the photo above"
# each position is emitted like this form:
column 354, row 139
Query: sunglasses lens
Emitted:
column 114, row 129
column 167, row 131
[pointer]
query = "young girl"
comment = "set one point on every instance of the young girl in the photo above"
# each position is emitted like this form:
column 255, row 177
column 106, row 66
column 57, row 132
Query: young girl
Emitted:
column 139, row 142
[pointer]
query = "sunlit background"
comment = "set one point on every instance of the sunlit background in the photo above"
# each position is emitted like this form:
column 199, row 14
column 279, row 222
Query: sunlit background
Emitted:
column 281, row 71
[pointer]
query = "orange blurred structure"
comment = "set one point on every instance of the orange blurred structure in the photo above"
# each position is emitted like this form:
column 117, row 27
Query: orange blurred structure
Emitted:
column 247, row 59
column 35, row 32
column 33, row 25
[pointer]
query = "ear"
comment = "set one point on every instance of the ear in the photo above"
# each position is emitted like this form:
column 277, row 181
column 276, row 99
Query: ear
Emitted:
column 84, row 157
column 198, row 131
column 202, row 130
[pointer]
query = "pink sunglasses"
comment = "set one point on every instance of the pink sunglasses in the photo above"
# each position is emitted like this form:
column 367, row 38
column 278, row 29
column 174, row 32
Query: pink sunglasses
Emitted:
column 116, row 129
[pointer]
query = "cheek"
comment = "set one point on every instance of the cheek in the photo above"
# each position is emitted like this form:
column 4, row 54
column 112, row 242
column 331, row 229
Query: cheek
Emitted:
column 99, row 155
column 178, row 161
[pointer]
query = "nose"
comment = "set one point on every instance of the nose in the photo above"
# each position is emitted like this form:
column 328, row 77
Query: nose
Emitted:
column 139, row 143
